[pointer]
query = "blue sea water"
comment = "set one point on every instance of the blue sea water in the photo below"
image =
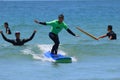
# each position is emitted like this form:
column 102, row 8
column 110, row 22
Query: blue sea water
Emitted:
column 92, row 60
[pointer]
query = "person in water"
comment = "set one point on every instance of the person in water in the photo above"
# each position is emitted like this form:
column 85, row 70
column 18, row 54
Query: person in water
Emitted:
column 57, row 26
column 6, row 25
column 111, row 34
column 18, row 41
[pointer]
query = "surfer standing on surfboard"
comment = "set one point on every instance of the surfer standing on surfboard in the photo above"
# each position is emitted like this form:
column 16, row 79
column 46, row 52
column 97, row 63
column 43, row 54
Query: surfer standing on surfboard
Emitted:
column 111, row 34
column 57, row 26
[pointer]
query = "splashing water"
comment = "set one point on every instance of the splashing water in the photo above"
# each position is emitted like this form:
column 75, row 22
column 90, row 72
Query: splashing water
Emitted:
column 28, row 51
column 45, row 48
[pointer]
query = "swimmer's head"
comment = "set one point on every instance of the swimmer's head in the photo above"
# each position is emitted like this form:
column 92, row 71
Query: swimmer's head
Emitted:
column 6, row 24
column 109, row 28
column 17, row 35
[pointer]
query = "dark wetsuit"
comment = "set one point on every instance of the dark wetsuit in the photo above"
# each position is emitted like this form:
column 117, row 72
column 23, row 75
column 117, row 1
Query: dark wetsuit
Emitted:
column 8, row 30
column 113, row 34
column 18, row 42
column 55, row 38
column 55, row 29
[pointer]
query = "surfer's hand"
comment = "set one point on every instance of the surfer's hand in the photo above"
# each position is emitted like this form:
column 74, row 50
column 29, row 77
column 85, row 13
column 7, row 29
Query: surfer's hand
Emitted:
column 98, row 38
column 35, row 31
column 77, row 36
column 36, row 21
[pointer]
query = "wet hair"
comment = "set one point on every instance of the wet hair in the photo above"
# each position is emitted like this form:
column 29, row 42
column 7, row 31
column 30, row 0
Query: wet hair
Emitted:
column 6, row 23
column 110, row 27
column 17, row 32
column 61, row 16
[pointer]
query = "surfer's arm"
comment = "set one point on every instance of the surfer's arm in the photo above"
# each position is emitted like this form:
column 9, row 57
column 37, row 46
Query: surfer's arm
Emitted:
column 43, row 23
column 31, row 37
column 102, row 36
column 69, row 31
column 6, row 39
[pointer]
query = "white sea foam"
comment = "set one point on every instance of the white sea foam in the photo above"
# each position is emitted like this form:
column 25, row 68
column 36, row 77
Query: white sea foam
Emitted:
column 35, row 56
column 28, row 51
column 44, row 48
column 74, row 59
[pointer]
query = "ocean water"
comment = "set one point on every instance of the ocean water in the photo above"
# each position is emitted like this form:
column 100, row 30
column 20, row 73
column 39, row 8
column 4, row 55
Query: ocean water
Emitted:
column 92, row 60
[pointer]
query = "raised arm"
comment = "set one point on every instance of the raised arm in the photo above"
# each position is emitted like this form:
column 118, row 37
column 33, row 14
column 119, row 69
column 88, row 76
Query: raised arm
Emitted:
column 6, row 39
column 38, row 22
column 31, row 37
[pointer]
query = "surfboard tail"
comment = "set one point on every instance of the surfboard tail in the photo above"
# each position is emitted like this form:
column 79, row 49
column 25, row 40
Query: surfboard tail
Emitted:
column 64, row 60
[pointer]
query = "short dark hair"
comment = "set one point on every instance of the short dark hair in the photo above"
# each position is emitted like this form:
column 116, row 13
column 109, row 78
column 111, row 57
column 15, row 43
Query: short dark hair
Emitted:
column 17, row 32
column 61, row 16
column 110, row 27
column 6, row 23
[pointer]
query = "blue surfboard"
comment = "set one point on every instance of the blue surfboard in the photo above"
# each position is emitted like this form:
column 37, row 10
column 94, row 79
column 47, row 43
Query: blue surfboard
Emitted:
column 59, row 58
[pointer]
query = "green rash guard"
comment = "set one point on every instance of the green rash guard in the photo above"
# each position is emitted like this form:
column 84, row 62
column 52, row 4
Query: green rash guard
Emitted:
column 56, row 26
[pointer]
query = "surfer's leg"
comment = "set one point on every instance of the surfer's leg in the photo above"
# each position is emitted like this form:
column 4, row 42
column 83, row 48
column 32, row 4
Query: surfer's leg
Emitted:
column 56, row 42
column 52, row 37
